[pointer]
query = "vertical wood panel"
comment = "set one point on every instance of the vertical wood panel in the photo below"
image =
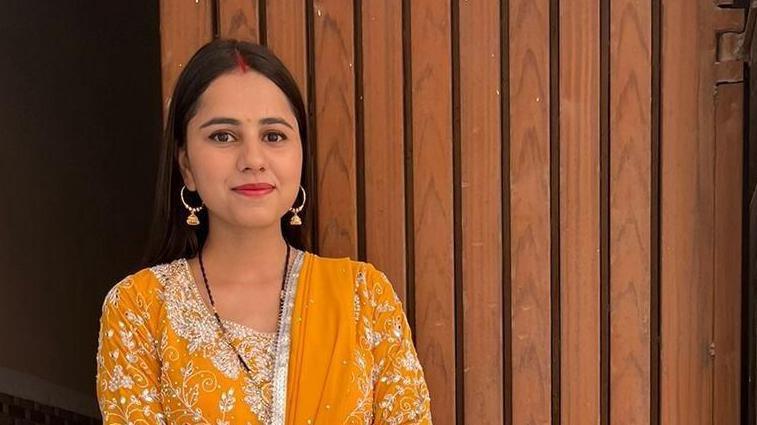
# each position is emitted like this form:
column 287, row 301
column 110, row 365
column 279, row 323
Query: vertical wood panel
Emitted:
column 727, row 285
column 184, row 27
column 481, row 210
column 286, row 36
column 530, row 210
column 687, row 215
column 239, row 19
column 384, row 139
column 729, row 113
column 579, row 212
column 433, row 210
column 630, row 211
column 335, row 112
column 690, row 219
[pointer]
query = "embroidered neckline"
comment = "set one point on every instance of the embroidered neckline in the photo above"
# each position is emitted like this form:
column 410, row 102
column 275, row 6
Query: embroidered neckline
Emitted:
column 189, row 280
column 192, row 320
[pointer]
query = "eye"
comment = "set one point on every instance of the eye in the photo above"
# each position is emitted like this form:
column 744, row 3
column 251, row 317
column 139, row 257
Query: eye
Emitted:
column 274, row 137
column 222, row 137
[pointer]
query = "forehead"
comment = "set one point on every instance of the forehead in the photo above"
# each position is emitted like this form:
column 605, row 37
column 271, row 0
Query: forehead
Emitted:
column 248, row 95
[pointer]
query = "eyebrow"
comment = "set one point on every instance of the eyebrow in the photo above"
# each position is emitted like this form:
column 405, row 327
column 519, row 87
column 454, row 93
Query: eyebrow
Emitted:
column 233, row 121
column 213, row 121
column 275, row 120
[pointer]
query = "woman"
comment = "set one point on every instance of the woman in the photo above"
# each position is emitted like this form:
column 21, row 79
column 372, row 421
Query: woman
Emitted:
column 236, row 322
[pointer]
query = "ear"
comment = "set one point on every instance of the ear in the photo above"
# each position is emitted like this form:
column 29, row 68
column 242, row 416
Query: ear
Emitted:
column 186, row 169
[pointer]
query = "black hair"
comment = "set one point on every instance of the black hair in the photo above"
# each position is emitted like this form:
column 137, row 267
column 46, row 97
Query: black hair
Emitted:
column 171, row 237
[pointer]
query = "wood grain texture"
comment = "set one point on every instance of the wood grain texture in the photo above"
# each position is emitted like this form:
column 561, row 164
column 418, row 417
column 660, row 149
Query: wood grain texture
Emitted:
column 630, row 211
column 691, row 216
column 530, row 211
column 184, row 27
column 335, row 112
column 433, row 210
column 383, row 140
column 481, row 197
column 579, row 212
column 238, row 19
column 286, row 36
column 687, row 240
column 729, row 141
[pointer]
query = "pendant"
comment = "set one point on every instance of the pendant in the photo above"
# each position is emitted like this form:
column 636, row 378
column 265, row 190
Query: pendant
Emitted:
column 192, row 220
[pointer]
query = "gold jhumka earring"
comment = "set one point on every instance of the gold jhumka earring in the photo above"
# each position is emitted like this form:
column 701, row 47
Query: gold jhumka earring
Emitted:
column 295, row 220
column 192, row 219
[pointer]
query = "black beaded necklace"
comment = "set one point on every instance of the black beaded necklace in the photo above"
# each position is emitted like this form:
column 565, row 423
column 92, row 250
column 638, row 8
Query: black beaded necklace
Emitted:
column 218, row 319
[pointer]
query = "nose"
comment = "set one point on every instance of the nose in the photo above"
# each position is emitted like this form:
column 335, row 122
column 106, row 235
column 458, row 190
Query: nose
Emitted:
column 251, row 157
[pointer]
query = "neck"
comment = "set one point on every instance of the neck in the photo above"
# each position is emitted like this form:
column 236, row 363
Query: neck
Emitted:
column 244, row 256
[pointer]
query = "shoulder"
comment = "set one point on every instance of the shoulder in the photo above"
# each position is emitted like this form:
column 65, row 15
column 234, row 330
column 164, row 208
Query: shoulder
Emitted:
column 368, row 283
column 356, row 270
column 143, row 288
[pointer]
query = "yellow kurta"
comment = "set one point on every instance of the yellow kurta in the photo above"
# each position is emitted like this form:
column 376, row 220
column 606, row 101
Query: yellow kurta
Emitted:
column 344, row 355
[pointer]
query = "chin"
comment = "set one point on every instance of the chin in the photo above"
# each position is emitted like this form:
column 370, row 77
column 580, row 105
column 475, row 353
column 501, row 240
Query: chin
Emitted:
column 257, row 221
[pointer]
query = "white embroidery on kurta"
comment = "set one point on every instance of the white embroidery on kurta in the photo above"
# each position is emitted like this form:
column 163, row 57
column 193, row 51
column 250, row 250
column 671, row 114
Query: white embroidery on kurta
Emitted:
column 175, row 398
column 192, row 320
column 161, row 381
column 389, row 376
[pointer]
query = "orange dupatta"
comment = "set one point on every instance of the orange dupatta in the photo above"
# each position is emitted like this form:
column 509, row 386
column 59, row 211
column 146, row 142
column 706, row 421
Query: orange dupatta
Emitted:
column 352, row 358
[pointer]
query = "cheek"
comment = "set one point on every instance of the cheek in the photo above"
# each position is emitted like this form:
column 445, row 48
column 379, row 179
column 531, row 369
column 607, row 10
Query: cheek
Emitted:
column 290, row 172
column 209, row 167
column 287, row 165
column 295, row 167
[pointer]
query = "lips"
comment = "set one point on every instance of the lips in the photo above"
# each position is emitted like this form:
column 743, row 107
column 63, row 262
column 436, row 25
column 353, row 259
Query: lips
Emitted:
column 254, row 189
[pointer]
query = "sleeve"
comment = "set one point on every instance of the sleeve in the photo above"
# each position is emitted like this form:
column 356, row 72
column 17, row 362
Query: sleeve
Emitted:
column 128, row 368
column 400, row 392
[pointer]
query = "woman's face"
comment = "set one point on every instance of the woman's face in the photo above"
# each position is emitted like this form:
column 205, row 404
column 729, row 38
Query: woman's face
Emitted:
column 243, row 153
